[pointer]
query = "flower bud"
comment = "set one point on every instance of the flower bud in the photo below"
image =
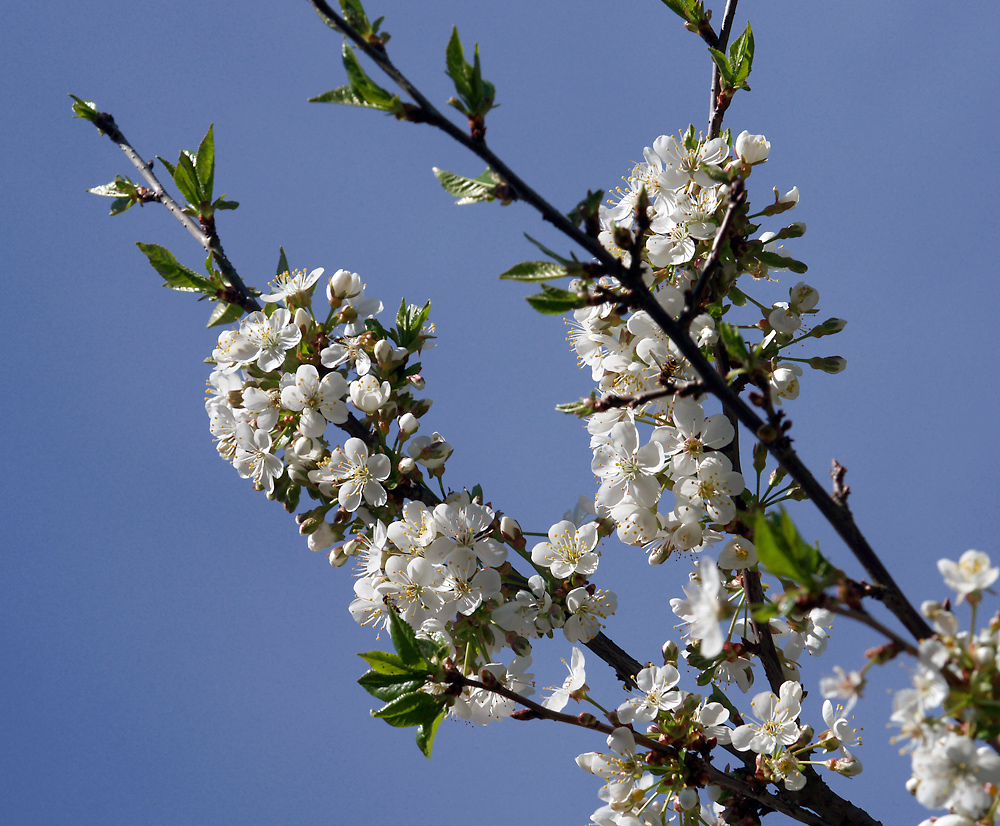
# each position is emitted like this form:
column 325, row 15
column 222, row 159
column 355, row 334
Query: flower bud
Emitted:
column 302, row 319
column 416, row 381
column 408, row 425
column 337, row 556
column 777, row 475
column 343, row 284
column 828, row 327
column 383, row 353
column 671, row 651
column 752, row 149
column 421, row 407
column 368, row 395
column 511, row 531
column 687, row 799
column 828, row 364
column 321, row 537
column 521, row 647
column 406, row 466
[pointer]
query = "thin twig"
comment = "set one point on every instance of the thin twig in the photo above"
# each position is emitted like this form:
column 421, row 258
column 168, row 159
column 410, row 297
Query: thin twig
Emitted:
column 715, row 112
column 240, row 295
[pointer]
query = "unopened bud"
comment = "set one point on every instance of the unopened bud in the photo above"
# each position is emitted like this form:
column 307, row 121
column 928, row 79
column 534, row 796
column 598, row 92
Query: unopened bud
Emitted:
column 383, row 353
column 828, row 327
column 343, row 284
column 687, row 799
column 658, row 556
column 406, row 465
column 798, row 494
column 521, row 647
column 408, row 425
column 511, row 531
column 322, row 537
column 421, row 407
column 671, row 651
column 828, row 364
column 416, row 381
column 759, row 457
column 337, row 556
column 352, row 547
column 302, row 319
column 777, row 475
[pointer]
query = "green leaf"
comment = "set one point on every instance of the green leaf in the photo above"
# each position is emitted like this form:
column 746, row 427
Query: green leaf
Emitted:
column 468, row 190
column 404, row 639
column 737, row 297
column 587, row 208
column 354, row 13
column 282, row 262
column 681, row 8
column 166, row 165
column 725, row 70
column 120, row 205
column 410, row 320
column 564, row 261
column 458, row 70
column 344, row 95
column 221, row 203
column 177, row 276
column 426, row 733
column 366, row 88
column 385, row 663
column 205, row 164
column 534, row 271
column 553, row 301
column 788, row 556
column 780, row 262
column 224, row 313
column 116, row 189
column 186, row 178
column 414, row 709
column 741, row 57
column 389, row 686
column 733, row 342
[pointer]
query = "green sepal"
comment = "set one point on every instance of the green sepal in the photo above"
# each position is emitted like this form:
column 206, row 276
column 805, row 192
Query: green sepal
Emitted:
column 468, row 190
column 386, row 663
column 779, row 262
column 404, row 639
column 414, row 709
column 177, row 276
column 224, row 313
column 553, row 301
column 534, row 271
column 426, row 732
column 788, row 556
column 388, row 687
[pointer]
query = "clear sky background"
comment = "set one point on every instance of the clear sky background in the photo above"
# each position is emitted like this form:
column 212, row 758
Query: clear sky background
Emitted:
column 171, row 651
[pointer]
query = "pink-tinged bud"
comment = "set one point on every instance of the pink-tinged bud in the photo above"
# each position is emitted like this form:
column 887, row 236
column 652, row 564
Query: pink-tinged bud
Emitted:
column 416, row 381
column 406, row 466
column 849, row 767
column 337, row 557
column 408, row 425
column 421, row 407
column 511, row 531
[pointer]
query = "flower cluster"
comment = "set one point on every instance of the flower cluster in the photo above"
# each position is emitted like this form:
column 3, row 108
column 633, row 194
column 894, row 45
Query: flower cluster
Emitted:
column 439, row 561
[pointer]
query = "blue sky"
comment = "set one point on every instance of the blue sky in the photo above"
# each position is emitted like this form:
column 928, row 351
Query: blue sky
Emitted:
column 172, row 652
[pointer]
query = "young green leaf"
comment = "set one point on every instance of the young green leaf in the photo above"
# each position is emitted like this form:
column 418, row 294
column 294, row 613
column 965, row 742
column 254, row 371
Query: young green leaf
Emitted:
column 553, row 301
column 773, row 259
column 534, row 271
column 725, row 70
column 468, row 190
column 344, row 95
column 741, row 58
column 388, row 687
column 224, row 313
column 282, row 262
column 177, row 276
column 186, row 178
column 404, row 639
column 414, row 709
column 681, row 8
column 788, row 556
column 385, row 663
column 458, row 70
column 366, row 88
column 426, row 733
